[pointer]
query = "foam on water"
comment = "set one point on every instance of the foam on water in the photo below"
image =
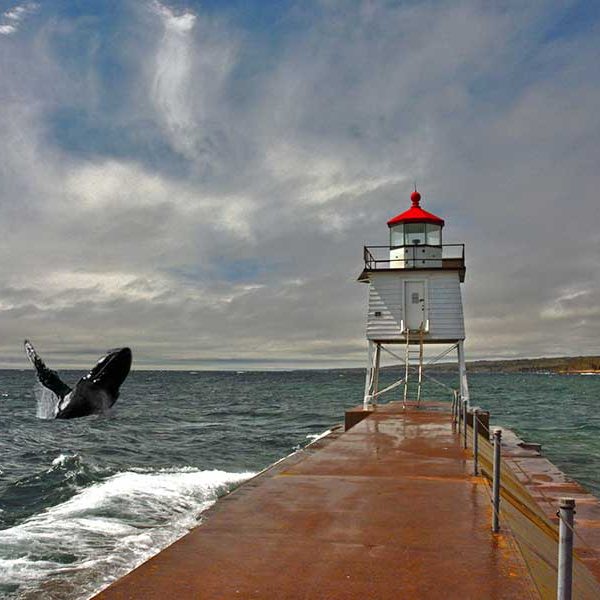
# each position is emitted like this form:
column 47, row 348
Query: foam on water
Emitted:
column 313, row 437
column 105, row 530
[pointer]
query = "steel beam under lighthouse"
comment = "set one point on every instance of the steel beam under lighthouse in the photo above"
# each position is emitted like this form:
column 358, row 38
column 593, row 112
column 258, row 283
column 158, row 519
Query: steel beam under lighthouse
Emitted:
column 414, row 299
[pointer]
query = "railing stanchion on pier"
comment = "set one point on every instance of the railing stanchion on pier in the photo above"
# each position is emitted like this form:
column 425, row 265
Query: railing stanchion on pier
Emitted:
column 454, row 406
column 496, row 482
column 464, row 416
column 475, row 441
column 566, row 510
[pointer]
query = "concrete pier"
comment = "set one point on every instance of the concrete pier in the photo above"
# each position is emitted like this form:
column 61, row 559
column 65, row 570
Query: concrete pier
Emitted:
column 388, row 509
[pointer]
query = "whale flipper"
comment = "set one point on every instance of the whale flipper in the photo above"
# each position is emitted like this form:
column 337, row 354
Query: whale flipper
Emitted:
column 47, row 377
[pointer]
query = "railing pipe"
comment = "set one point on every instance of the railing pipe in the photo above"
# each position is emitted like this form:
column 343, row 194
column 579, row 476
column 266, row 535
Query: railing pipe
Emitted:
column 465, row 404
column 475, row 441
column 454, row 406
column 496, row 482
column 377, row 257
column 457, row 411
column 566, row 510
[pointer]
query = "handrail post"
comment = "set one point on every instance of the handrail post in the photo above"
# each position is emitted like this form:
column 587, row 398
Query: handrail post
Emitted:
column 454, row 407
column 464, row 411
column 496, row 482
column 475, row 441
column 564, row 587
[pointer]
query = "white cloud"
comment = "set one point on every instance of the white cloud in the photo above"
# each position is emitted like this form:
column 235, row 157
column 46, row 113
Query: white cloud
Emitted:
column 321, row 179
column 97, row 185
column 193, row 59
column 572, row 305
column 173, row 72
column 11, row 18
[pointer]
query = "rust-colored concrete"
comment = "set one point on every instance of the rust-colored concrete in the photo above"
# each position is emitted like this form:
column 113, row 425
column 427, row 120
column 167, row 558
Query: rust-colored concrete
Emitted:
column 386, row 510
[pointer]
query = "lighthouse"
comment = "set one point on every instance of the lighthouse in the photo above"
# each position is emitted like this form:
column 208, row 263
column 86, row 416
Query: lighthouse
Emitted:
column 414, row 300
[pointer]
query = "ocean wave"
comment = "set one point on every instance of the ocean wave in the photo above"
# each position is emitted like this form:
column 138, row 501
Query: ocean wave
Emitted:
column 313, row 437
column 105, row 530
column 65, row 476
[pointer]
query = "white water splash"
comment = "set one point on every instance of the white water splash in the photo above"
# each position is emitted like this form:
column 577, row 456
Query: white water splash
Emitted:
column 313, row 437
column 78, row 547
column 47, row 402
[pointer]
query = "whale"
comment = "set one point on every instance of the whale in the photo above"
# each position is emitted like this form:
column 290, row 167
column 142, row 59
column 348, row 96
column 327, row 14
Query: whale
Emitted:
column 94, row 393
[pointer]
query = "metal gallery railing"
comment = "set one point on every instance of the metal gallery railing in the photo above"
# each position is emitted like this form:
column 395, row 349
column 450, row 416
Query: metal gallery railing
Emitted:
column 418, row 256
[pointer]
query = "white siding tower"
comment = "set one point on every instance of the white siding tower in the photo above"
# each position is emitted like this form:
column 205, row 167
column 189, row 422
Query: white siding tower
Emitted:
column 414, row 296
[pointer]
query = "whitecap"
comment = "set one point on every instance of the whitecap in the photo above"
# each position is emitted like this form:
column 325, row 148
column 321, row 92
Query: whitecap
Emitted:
column 317, row 436
column 107, row 529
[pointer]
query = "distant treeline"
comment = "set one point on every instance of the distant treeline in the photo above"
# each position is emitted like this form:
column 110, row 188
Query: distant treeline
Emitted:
column 564, row 364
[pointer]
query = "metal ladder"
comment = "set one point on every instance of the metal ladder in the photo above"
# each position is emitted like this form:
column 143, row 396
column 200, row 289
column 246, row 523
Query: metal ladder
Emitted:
column 413, row 358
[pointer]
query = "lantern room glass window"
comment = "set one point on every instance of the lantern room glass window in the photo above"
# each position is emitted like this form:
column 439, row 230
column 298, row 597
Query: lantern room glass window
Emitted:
column 410, row 234
column 397, row 235
column 414, row 234
column 434, row 235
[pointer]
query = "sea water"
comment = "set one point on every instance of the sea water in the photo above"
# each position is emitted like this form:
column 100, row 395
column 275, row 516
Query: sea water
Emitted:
column 83, row 501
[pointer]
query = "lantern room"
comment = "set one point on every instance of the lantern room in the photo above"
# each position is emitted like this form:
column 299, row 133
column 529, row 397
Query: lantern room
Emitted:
column 415, row 237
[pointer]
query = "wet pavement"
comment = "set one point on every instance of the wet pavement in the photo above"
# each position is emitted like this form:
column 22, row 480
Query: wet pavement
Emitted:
column 386, row 510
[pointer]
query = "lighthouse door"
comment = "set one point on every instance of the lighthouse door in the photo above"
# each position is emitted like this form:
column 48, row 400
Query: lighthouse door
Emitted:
column 414, row 304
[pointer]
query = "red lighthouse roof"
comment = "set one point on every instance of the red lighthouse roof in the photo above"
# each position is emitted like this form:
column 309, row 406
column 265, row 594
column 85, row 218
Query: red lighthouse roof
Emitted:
column 415, row 214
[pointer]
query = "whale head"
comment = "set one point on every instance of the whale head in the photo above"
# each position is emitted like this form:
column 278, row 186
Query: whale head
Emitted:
column 110, row 371
column 97, row 391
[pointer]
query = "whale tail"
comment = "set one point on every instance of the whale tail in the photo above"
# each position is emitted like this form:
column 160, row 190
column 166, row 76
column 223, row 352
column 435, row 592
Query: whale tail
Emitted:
column 47, row 377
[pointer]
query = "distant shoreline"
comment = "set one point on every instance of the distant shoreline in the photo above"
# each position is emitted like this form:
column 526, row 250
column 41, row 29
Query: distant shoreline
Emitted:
column 565, row 365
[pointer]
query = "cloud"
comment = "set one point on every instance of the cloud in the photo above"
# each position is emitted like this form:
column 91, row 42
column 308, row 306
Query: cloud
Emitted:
column 193, row 60
column 199, row 185
column 11, row 19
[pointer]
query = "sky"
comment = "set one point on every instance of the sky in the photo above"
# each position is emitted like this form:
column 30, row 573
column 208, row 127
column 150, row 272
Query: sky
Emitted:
column 196, row 180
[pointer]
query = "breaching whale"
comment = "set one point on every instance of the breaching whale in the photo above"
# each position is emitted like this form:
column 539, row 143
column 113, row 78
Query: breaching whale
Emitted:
column 96, row 392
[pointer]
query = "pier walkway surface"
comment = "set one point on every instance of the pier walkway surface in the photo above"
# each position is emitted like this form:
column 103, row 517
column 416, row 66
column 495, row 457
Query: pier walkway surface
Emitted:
column 386, row 510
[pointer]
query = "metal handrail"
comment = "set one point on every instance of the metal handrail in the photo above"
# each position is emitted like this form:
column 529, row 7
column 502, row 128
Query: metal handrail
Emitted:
column 449, row 259
column 416, row 246
column 368, row 257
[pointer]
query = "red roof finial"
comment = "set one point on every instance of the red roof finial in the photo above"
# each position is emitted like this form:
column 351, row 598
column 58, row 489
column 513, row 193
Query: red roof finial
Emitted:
column 415, row 214
column 415, row 198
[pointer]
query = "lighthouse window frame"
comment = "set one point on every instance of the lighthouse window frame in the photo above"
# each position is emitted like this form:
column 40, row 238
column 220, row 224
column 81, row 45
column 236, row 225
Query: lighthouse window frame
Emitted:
column 415, row 234
column 434, row 234
column 427, row 234
column 397, row 235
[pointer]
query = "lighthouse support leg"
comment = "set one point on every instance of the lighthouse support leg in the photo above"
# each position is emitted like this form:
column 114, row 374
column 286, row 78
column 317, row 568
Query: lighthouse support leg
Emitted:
column 369, row 375
column 376, row 374
column 462, row 371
